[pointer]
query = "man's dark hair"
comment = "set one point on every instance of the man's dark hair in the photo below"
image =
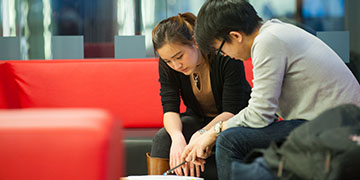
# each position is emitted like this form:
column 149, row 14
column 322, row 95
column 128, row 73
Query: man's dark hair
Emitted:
column 217, row 18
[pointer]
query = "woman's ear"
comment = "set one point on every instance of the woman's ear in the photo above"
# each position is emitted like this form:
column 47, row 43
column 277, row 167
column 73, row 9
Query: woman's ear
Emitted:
column 195, row 44
column 236, row 36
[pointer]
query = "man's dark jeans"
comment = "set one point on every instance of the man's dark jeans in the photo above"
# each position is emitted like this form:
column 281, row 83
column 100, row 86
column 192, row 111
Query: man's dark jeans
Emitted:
column 235, row 143
column 257, row 170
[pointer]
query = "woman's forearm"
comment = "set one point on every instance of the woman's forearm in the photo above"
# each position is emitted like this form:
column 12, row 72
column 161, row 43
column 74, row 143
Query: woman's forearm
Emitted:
column 173, row 125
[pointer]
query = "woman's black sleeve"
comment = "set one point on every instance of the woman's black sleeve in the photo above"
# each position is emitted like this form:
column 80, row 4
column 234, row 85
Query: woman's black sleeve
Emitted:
column 169, row 88
column 236, row 90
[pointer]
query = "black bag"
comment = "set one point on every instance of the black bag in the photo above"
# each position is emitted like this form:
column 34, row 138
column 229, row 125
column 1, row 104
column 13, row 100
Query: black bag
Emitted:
column 327, row 147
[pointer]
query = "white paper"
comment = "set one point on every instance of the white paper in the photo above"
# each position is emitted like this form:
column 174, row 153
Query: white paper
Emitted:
column 161, row 177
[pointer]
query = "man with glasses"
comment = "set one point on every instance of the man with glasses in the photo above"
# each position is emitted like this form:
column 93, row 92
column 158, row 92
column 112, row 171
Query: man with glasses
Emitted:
column 296, row 76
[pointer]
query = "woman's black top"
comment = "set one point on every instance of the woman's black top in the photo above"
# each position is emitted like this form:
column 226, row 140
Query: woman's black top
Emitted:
column 229, row 86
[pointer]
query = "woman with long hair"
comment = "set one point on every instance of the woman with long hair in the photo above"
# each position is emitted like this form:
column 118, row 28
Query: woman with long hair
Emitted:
column 213, row 88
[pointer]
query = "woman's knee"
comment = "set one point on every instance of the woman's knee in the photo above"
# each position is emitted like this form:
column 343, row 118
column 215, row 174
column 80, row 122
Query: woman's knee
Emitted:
column 161, row 137
column 191, row 122
column 161, row 144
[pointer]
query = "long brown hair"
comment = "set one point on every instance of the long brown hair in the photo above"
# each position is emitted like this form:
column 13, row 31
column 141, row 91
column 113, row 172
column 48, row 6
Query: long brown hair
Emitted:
column 176, row 29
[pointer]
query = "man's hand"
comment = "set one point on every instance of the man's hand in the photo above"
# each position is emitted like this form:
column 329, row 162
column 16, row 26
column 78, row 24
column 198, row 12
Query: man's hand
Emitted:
column 195, row 136
column 189, row 168
column 200, row 149
column 194, row 168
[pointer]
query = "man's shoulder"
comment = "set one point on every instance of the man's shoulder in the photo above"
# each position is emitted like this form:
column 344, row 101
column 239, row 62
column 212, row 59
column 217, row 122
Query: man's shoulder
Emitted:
column 266, row 44
column 276, row 30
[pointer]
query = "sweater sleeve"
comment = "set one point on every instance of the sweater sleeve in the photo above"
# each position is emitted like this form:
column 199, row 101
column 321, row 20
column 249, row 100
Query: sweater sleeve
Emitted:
column 169, row 89
column 236, row 89
column 269, row 63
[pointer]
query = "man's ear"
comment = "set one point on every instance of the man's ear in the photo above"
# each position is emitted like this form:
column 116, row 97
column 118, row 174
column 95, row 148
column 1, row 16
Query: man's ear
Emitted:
column 236, row 36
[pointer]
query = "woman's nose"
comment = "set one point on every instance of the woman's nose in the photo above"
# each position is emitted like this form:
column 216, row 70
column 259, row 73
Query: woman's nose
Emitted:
column 177, row 65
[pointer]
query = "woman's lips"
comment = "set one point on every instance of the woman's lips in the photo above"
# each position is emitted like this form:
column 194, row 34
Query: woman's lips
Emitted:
column 184, row 70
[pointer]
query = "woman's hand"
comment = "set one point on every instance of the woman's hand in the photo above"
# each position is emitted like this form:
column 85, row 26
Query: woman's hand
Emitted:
column 177, row 147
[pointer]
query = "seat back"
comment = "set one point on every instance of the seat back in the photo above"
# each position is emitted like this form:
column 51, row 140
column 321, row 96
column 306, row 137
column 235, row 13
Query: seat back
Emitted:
column 3, row 102
column 8, row 91
column 127, row 88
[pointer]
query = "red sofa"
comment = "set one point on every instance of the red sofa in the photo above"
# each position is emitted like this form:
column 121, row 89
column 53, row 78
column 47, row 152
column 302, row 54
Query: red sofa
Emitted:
column 60, row 144
column 127, row 88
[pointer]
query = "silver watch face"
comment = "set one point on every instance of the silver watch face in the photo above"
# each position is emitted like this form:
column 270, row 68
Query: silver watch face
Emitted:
column 217, row 127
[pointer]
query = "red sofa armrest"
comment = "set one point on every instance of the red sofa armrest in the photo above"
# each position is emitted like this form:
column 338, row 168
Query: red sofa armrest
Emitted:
column 60, row 144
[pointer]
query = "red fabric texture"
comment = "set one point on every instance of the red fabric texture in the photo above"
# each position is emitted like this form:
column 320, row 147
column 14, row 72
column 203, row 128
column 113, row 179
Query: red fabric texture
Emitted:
column 60, row 144
column 11, row 88
column 8, row 88
column 248, row 71
column 3, row 101
column 127, row 88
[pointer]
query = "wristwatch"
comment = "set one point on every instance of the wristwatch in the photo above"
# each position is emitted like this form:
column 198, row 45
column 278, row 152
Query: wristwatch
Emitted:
column 218, row 127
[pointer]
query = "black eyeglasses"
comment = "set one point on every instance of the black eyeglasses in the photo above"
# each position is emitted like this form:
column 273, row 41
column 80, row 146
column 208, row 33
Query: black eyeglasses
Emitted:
column 219, row 50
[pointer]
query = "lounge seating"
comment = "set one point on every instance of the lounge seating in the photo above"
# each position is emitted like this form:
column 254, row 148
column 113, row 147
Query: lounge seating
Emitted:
column 126, row 88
